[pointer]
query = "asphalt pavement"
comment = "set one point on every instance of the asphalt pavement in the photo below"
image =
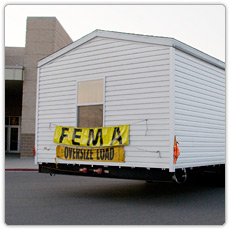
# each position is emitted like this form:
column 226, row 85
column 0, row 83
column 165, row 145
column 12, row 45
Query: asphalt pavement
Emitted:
column 33, row 198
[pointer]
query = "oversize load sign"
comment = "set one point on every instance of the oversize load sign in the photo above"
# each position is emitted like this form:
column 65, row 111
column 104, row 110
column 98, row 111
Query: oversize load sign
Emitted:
column 92, row 137
column 108, row 154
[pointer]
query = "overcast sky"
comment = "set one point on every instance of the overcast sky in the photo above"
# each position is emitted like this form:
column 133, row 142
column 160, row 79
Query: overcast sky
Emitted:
column 200, row 26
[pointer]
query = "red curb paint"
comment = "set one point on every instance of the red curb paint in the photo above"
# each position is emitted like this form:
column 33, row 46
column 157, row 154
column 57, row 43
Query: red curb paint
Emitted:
column 21, row 170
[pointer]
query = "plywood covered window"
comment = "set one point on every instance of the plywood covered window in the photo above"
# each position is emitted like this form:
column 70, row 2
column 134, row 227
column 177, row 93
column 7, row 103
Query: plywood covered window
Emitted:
column 90, row 100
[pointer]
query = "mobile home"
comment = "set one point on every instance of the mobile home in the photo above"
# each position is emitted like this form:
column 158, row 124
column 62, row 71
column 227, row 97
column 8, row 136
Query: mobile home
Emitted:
column 165, row 97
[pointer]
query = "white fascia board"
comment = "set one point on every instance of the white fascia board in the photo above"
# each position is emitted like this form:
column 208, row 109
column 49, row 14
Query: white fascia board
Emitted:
column 36, row 117
column 172, row 108
column 136, row 38
column 198, row 54
column 67, row 48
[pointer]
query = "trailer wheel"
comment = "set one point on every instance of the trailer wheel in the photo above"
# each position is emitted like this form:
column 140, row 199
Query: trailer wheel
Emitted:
column 180, row 176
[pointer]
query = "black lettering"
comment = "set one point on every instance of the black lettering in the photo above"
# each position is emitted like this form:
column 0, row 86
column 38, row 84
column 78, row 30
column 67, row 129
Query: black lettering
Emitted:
column 84, row 154
column 74, row 153
column 98, row 154
column 107, row 154
column 95, row 140
column 111, row 155
column 102, row 154
column 63, row 135
column 77, row 154
column 81, row 152
column 70, row 153
column 76, row 136
column 87, row 155
column 91, row 155
column 66, row 153
column 116, row 136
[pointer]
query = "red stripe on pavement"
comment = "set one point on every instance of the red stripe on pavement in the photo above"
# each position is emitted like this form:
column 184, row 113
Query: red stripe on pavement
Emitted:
column 23, row 170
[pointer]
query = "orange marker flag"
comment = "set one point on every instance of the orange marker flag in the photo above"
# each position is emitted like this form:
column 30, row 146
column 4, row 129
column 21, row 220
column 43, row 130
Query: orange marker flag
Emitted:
column 176, row 151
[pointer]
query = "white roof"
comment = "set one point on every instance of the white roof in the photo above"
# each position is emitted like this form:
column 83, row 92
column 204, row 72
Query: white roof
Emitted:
column 163, row 41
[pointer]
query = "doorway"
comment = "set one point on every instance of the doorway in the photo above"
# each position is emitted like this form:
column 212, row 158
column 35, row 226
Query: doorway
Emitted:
column 12, row 135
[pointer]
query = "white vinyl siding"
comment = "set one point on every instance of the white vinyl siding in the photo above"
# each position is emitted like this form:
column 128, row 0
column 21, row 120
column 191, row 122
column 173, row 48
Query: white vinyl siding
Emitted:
column 142, row 100
column 159, row 90
column 136, row 93
column 199, row 111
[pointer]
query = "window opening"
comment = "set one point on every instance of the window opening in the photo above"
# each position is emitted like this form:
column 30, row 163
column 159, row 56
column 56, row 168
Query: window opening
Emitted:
column 90, row 100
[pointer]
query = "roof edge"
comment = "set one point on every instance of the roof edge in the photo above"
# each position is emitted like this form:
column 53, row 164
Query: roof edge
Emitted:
column 67, row 48
column 163, row 41
column 198, row 54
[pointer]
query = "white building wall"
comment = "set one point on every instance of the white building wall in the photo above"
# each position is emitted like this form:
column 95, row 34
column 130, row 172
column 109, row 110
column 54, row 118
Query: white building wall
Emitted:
column 199, row 111
column 137, row 89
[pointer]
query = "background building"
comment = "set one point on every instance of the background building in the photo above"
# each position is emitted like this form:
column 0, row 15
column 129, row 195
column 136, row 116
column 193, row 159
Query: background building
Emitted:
column 44, row 35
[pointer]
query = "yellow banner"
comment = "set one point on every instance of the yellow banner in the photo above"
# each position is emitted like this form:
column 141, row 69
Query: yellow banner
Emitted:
column 92, row 137
column 109, row 154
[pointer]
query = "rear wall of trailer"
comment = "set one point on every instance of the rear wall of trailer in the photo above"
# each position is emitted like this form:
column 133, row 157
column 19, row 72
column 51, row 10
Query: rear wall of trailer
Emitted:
column 136, row 91
column 199, row 111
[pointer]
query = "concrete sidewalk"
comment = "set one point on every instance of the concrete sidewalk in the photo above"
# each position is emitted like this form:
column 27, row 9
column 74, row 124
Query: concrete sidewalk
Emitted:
column 15, row 163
